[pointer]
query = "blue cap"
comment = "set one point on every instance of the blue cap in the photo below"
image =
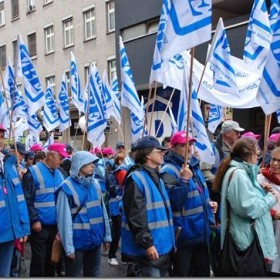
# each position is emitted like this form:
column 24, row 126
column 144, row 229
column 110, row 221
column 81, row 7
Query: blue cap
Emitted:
column 148, row 142
column 20, row 148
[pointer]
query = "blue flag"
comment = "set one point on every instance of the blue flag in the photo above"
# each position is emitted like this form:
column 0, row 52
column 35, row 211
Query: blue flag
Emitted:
column 77, row 95
column 51, row 117
column 63, row 105
column 96, row 121
column 32, row 86
column 188, row 24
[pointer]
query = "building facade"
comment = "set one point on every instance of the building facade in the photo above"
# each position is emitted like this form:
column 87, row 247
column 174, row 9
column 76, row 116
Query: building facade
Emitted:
column 52, row 29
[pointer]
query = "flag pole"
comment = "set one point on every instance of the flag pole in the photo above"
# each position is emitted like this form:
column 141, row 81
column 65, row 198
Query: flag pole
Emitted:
column 148, row 102
column 154, row 101
column 267, row 123
column 165, row 111
column 189, row 102
column 76, row 131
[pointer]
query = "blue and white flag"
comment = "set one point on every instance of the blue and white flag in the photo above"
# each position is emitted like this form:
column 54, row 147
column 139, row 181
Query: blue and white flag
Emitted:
column 203, row 143
column 32, row 86
column 188, row 24
column 278, row 116
column 34, row 125
column 4, row 113
column 63, row 105
column 269, row 90
column 96, row 121
column 20, row 126
column 216, row 116
column 182, row 111
column 77, row 94
column 221, row 62
column 174, row 126
column 129, row 95
column 49, row 142
column 30, row 140
column 258, row 36
column 136, row 127
column 116, row 99
column 273, row 15
column 107, row 94
column 51, row 117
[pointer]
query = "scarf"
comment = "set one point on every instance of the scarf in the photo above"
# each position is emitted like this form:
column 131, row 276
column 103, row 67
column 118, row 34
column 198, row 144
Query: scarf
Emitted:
column 273, row 178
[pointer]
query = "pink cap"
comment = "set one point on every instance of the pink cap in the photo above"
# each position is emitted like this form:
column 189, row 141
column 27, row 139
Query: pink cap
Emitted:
column 97, row 150
column 92, row 151
column 108, row 151
column 251, row 134
column 274, row 137
column 180, row 138
column 60, row 148
column 36, row 147
column 2, row 128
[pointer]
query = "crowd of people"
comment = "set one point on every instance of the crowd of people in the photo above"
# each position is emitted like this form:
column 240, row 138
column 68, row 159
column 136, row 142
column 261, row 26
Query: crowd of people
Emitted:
column 159, row 203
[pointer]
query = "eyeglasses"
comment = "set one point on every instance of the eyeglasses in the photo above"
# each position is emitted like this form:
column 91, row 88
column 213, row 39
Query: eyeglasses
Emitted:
column 157, row 151
column 275, row 160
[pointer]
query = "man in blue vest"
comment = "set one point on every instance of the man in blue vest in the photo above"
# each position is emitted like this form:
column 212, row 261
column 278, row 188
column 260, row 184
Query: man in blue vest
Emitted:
column 191, row 206
column 14, row 220
column 39, row 184
column 147, row 231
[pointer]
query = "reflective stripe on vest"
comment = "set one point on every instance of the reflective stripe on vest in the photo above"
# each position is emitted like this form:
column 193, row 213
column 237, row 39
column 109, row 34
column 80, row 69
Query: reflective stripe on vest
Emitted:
column 20, row 197
column 44, row 204
column 16, row 181
column 39, row 176
column 185, row 213
column 44, row 191
column 172, row 167
column 2, row 204
column 74, row 193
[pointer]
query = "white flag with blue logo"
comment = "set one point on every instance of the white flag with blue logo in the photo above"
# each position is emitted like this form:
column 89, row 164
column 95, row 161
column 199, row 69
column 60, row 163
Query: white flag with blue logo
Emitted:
column 32, row 86
column 4, row 113
column 51, row 117
column 174, row 127
column 30, row 140
column 96, row 121
column 63, row 105
column 49, row 142
column 221, row 62
column 77, row 94
column 269, row 90
column 107, row 94
column 258, row 37
column 188, row 24
column 216, row 116
column 116, row 99
column 273, row 15
column 34, row 125
column 129, row 95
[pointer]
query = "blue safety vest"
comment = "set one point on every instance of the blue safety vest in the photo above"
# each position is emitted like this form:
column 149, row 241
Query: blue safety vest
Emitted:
column 88, row 225
column 14, row 219
column 46, row 182
column 159, row 221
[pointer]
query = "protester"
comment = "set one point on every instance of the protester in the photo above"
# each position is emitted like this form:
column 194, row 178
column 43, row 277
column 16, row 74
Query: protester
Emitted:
column 147, row 231
column 82, row 218
column 13, row 210
column 247, row 199
column 29, row 159
column 166, row 142
column 192, row 209
column 270, row 178
column 36, row 148
column 39, row 184
column 120, row 148
column 272, row 143
column 39, row 156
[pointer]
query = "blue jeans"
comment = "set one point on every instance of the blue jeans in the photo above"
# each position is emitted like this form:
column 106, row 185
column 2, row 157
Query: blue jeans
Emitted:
column 6, row 255
column 90, row 259
column 150, row 271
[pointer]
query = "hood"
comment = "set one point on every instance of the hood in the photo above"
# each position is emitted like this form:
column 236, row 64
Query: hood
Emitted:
column 80, row 159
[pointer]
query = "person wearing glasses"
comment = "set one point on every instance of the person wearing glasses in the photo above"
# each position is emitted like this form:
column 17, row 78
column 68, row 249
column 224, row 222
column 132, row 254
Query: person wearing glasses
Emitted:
column 269, row 178
column 191, row 206
column 147, row 228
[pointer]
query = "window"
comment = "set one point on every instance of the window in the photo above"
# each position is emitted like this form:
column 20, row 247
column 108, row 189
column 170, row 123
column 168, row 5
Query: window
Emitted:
column 3, row 56
column 86, row 71
column 49, row 39
column 112, row 68
column 68, row 83
column 50, row 82
column 31, row 39
column 2, row 13
column 14, row 51
column 110, row 5
column 68, row 30
column 30, row 6
column 89, row 22
column 46, row 2
column 15, row 9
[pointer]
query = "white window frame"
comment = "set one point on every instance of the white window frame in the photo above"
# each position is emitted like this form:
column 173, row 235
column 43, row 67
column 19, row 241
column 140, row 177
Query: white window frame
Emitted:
column 46, row 2
column 2, row 17
column 110, row 11
column 30, row 6
column 112, row 68
column 49, row 39
column 91, row 22
column 68, row 32
column 68, row 82
column 50, row 82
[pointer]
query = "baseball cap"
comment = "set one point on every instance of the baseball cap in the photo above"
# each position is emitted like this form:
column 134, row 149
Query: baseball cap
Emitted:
column 20, row 148
column 274, row 137
column 230, row 125
column 251, row 134
column 148, row 142
column 29, row 155
column 119, row 144
column 180, row 138
column 2, row 128
column 108, row 151
column 60, row 148
column 36, row 147
column 97, row 150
